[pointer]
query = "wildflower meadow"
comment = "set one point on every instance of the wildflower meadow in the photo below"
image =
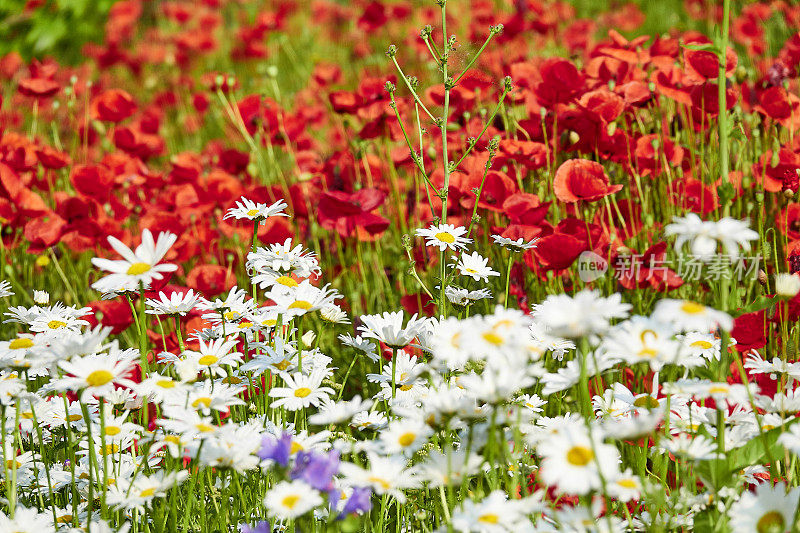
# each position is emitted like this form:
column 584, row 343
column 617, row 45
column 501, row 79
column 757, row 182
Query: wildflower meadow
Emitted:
column 399, row 266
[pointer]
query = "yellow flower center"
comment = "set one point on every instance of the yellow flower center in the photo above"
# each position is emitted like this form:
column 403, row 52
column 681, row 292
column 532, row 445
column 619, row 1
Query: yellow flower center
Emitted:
column 705, row 345
column 12, row 463
column 172, row 439
column 771, row 522
column 20, row 344
column 112, row 430
column 165, row 383
column 64, row 519
column 137, row 269
column 56, row 324
column 208, row 360
column 445, row 237
column 407, row 439
column 493, row 338
column 406, row 388
column 290, row 501
column 627, row 483
column 232, row 380
column 206, row 401
column 42, row 261
column 385, row 485
column 579, row 455
column 302, row 392
column 647, row 352
column 231, row 315
column 110, row 448
column 270, row 322
column 301, row 304
column 287, row 281
column 146, row 493
column 648, row 402
column 204, row 428
column 98, row 378
column 252, row 212
column 295, row 447
column 718, row 389
column 692, row 308
column 489, row 518
column 74, row 418
column 283, row 365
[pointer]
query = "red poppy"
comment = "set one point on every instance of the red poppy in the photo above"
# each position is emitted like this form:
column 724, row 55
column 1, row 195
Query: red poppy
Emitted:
column 210, row 280
column 113, row 313
column 581, row 179
column 351, row 214
column 113, row 105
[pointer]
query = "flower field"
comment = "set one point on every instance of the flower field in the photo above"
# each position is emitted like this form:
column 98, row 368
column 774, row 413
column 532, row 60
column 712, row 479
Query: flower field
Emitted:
column 400, row 266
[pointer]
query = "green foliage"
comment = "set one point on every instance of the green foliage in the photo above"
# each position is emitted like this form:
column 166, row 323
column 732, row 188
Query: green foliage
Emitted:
column 58, row 27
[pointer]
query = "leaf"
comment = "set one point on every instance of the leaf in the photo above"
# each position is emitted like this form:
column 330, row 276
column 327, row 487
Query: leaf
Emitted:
column 760, row 303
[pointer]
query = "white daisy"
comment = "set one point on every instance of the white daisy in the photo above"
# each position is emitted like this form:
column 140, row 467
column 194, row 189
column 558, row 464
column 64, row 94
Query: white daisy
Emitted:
column 249, row 210
column 444, row 236
column 139, row 267
column 290, row 499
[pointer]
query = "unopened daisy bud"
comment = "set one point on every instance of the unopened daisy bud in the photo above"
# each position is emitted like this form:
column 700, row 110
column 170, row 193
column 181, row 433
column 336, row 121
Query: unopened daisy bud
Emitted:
column 41, row 297
column 308, row 338
column 787, row 285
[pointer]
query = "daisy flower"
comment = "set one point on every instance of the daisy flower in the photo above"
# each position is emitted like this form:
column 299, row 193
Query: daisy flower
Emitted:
column 519, row 245
column 301, row 390
column 330, row 412
column 787, row 285
column 464, row 297
column 571, row 461
column 177, row 303
column 213, row 355
column 585, row 313
column 769, row 508
column 475, row 266
column 41, row 297
column 302, row 299
column 249, row 210
column 136, row 268
column 388, row 328
column 385, row 475
column 290, row 499
column 59, row 319
column 444, row 236
column 703, row 236
column 5, row 289
column 404, row 436
column 96, row 375
column 27, row 521
column 686, row 315
column 282, row 259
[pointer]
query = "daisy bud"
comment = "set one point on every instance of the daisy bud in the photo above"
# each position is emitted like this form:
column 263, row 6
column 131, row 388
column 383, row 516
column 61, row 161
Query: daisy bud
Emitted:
column 41, row 297
column 787, row 285
column 762, row 278
column 308, row 338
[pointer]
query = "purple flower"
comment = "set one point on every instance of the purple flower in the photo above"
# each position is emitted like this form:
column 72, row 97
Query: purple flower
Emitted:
column 360, row 500
column 276, row 449
column 316, row 469
column 260, row 527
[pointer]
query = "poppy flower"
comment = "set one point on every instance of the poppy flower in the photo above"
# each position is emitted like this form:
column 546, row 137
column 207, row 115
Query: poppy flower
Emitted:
column 210, row 280
column 113, row 105
column 581, row 179
column 351, row 214
column 112, row 313
column 749, row 330
column 43, row 232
